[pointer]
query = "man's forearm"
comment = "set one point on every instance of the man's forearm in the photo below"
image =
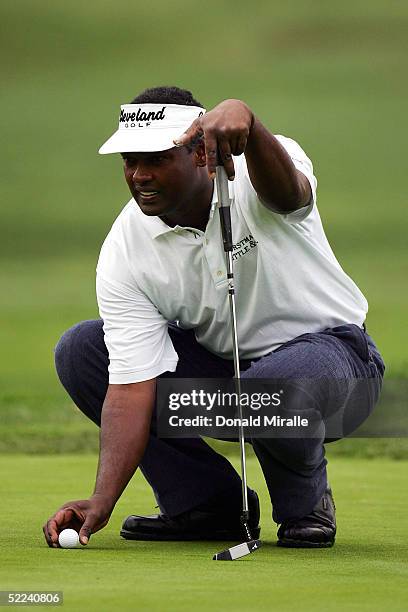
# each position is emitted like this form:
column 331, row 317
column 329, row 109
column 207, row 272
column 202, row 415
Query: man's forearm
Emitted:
column 273, row 175
column 125, row 426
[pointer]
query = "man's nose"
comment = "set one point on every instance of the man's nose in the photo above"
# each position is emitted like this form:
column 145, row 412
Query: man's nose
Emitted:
column 141, row 173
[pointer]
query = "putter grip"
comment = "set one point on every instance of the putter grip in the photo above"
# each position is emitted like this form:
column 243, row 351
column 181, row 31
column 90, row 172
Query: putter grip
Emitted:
column 224, row 207
column 225, row 218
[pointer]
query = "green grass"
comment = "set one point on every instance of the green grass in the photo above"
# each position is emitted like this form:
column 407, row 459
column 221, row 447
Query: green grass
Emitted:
column 366, row 570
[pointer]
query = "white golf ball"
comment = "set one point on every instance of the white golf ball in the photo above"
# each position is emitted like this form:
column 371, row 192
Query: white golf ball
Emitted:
column 68, row 538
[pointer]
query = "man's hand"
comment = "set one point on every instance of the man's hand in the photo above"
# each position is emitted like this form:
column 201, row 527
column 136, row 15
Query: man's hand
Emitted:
column 86, row 516
column 126, row 416
column 224, row 130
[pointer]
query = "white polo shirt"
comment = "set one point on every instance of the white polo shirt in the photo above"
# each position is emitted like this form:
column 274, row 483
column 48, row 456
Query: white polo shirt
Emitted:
column 287, row 280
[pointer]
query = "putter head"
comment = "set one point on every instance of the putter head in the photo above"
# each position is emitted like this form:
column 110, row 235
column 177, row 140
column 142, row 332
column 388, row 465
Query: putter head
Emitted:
column 238, row 551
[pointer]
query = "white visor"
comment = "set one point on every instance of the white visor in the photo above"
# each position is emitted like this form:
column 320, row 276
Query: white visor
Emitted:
column 150, row 127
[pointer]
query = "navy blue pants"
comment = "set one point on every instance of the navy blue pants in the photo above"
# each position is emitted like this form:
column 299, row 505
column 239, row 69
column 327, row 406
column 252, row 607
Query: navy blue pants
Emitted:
column 186, row 473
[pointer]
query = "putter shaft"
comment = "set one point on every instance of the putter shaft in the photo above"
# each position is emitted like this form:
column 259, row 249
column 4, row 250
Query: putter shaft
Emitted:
column 250, row 545
column 225, row 218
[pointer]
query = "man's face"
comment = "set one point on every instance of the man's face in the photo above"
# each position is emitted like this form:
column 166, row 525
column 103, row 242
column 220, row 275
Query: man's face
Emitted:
column 164, row 182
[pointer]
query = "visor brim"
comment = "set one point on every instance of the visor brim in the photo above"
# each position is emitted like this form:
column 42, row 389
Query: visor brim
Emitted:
column 141, row 141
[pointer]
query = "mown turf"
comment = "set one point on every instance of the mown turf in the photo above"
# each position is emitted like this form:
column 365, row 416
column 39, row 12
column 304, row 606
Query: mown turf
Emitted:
column 366, row 570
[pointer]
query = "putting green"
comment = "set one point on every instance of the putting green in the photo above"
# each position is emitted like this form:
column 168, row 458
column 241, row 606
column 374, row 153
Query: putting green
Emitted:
column 366, row 570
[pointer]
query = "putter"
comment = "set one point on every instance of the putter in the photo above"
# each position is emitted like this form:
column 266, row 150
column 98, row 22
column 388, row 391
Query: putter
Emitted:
column 250, row 545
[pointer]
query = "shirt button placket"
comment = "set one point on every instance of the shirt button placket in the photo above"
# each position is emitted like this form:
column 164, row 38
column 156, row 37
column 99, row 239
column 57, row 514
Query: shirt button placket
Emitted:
column 215, row 258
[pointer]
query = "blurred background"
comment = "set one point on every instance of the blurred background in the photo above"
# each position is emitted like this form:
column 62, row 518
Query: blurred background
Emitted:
column 332, row 76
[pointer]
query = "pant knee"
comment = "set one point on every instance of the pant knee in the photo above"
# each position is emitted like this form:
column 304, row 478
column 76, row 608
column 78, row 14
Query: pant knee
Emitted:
column 72, row 349
column 63, row 353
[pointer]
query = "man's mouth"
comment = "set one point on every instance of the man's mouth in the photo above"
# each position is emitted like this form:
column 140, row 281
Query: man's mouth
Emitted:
column 147, row 195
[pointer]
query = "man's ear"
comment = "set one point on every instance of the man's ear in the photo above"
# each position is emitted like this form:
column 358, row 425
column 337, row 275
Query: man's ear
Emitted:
column 199, row 154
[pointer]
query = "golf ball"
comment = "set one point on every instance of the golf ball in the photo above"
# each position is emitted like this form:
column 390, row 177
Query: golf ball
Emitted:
column 68, row 538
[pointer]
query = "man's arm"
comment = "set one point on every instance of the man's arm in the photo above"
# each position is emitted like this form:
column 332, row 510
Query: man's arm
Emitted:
column 279, row 185
column 125, row 425
column 231, row 128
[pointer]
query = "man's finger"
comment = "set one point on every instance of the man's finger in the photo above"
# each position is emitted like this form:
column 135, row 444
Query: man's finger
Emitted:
column 51, row 532
column 48, row 537
column 86, row 530
column 241, row 145
column 64, row 517
column 193, row 132
column 211, row 153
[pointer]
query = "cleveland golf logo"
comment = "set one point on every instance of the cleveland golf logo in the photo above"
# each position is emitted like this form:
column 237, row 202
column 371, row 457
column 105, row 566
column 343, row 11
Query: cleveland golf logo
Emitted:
column 140, row 118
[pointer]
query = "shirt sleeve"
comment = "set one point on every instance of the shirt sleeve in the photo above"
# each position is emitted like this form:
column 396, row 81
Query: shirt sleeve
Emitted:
column 303, row 163
column 136, row 334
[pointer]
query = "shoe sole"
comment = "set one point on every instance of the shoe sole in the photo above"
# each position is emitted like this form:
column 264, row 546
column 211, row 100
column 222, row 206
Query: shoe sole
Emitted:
column 219, row 536
column 304, row 544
